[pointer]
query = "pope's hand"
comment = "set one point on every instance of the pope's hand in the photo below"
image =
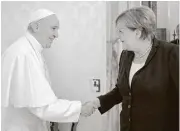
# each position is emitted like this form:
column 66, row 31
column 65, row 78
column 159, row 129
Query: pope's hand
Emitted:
column 89, row 108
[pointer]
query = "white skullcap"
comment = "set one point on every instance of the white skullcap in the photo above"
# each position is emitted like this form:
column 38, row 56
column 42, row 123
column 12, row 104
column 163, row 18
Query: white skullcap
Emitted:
column 40, row 14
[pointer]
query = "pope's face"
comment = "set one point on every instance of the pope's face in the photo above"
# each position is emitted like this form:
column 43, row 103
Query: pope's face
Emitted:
column 48, row 30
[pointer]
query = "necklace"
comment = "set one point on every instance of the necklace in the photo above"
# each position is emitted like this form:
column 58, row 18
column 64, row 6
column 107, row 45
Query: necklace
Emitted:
column 142, row 55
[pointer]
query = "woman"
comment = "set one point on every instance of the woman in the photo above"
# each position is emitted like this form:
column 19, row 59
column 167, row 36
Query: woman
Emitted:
column 148, row 80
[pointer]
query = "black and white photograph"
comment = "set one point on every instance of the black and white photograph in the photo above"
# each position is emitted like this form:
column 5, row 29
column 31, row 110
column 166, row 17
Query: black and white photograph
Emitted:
column 90, row 65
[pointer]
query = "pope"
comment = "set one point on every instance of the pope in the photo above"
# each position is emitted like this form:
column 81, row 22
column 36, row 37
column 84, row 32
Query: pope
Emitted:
column 28, row 101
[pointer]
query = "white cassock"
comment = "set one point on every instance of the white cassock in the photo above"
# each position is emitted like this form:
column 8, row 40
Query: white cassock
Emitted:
column 26, row 95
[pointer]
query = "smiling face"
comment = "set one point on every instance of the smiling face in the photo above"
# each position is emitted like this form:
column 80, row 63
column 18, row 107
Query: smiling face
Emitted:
column 47, row 30
column 128, row 37
column 135, row 26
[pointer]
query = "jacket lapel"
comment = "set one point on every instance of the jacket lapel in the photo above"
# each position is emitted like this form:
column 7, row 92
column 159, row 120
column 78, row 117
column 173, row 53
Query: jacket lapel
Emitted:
column 130, row 56
column 128, row 62
column 153, row 51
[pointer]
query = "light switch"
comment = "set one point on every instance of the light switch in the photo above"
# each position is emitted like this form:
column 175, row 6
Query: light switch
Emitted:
column 96, row 85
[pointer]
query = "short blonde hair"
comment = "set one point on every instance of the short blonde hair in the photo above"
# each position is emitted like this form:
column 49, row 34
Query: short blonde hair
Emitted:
column 140, row 18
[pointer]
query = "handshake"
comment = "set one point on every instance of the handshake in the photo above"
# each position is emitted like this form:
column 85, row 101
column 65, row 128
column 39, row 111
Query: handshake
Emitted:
column 89, row 108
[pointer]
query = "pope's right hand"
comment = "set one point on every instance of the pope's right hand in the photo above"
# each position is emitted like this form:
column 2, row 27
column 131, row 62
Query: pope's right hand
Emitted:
column 89, row 108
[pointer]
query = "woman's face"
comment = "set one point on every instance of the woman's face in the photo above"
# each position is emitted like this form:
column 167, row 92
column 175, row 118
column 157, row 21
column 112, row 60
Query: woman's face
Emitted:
column 129, row 38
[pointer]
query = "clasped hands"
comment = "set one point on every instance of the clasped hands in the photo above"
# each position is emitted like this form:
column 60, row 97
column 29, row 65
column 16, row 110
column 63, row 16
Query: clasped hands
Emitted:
column 89, row 108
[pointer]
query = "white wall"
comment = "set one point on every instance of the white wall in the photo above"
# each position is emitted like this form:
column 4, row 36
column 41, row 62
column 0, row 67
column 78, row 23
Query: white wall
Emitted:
column 168, row 16
column 132, row 4
column 79, row 54
column 173, row 16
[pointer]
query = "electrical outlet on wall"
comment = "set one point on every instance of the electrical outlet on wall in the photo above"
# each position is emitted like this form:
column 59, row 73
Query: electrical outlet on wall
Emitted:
column 96, row 85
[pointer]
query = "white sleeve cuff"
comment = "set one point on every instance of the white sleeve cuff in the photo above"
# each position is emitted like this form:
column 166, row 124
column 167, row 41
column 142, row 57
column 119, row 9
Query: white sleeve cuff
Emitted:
column 59, row 111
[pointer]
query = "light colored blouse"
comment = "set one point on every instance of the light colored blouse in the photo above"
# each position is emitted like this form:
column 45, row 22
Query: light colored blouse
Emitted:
column 134, row 68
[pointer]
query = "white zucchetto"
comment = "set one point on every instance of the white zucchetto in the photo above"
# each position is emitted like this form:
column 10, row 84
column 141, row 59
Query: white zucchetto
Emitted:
column 40, row 14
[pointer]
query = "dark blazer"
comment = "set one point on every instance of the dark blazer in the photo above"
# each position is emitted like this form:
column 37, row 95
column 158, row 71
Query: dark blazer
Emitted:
column 152, row 102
